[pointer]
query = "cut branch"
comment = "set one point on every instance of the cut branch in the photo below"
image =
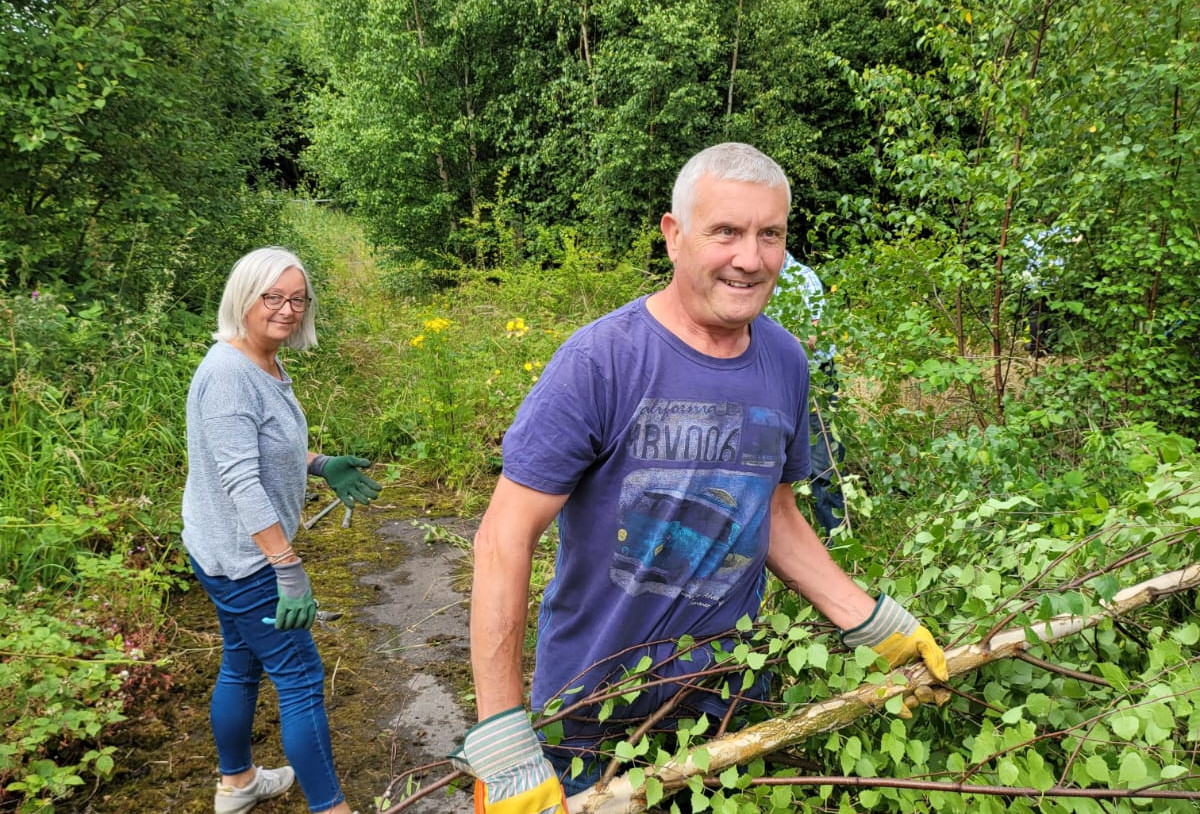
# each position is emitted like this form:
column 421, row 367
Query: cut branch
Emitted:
column 969, row 788
column 622, row 797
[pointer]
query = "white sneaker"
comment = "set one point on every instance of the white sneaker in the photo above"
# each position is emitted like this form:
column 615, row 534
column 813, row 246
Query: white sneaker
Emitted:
column 267, row 783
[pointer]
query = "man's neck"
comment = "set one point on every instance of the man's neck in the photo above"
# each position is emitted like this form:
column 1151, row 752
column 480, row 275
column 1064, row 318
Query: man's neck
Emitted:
column 721, row 343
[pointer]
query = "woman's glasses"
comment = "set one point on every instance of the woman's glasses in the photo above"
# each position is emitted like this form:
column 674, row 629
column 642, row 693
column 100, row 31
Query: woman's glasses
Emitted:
column 276, row 301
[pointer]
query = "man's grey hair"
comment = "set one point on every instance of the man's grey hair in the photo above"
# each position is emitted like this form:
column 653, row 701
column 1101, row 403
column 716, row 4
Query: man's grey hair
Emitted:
column 253, row 276
column 729, row 161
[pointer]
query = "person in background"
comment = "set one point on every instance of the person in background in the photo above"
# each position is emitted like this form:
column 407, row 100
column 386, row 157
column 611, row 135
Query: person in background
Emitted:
column 665, row 438
column 827, row 452
column 248, row 462
column 1043, row 266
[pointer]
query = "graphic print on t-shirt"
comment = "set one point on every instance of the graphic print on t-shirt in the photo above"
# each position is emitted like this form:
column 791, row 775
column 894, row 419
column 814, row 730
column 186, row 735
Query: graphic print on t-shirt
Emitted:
column 693, row 531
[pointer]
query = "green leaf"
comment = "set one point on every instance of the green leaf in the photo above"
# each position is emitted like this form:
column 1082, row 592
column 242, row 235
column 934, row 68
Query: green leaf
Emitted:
column 1124, row 725
column 818, row 655
column 918, row 752
column 1173, row 771
column 1114, row 675
column 553, row 732
column 626, row 751
column 865, row 657
column 1133, row 770
column 1007, row 772
column 654, row 791
column 1097, row 768
column 1038, row 704
column 1187, row 635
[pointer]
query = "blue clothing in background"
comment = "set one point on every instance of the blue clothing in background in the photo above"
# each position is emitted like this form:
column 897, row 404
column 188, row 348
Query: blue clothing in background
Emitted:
column 829, row 505
column 1043, row 265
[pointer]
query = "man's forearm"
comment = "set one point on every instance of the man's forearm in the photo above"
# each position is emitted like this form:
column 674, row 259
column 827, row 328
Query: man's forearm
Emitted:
column 497, row 641
column 798, row 557
column 504, row 546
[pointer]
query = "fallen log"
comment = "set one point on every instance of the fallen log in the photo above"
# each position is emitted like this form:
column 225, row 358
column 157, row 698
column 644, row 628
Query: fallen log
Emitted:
column 621, row 797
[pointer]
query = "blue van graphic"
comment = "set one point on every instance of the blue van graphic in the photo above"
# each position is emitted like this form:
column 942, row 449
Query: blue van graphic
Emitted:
column 672, row 538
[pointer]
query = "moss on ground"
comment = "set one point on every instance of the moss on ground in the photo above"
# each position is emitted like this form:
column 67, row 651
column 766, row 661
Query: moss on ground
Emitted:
column 166, row 760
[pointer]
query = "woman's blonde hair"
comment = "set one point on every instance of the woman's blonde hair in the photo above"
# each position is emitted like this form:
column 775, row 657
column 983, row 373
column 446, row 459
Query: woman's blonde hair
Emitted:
column 253, row 276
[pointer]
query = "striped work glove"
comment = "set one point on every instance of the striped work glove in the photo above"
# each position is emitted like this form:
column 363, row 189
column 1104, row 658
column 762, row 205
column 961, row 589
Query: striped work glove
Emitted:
column 896, row 635
column 512, row 776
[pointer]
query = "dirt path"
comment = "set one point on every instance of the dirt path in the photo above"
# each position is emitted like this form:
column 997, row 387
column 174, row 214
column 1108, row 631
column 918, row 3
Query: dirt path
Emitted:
column 397, row 677
column 422, row 620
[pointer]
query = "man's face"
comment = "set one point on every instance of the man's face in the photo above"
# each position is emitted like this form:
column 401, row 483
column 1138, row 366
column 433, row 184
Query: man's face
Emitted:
column 727, row 261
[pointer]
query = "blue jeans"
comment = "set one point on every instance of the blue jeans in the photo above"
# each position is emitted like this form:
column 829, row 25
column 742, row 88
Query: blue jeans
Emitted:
column 290, row 659
column 829, row 505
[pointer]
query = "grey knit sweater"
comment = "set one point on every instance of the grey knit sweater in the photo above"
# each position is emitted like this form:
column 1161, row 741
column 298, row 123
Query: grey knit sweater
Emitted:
column 247, row 461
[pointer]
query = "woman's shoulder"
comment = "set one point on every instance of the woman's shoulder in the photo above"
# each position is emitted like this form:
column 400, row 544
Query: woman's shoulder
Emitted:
column 223, row 371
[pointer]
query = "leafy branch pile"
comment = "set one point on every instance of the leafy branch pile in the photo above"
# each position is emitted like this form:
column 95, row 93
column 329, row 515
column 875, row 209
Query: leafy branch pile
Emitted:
column 1077, row 690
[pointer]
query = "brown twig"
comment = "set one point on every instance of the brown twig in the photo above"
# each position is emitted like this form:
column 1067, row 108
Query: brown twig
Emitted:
column 424, row 791
column 1146, row 792
column 1078, row 675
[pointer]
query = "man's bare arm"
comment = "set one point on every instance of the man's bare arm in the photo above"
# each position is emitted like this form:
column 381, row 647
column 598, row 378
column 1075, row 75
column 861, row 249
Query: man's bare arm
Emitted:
column 798, row 557
column 515, row 519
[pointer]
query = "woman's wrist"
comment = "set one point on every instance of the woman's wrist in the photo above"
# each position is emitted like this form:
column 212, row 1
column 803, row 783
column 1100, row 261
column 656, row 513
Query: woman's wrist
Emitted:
column 283, row 557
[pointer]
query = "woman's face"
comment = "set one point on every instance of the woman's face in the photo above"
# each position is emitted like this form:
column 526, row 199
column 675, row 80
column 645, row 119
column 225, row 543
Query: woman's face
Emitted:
column 272, row 328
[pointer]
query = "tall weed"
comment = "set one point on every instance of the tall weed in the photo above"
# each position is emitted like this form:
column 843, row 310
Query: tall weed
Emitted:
column 91, row 429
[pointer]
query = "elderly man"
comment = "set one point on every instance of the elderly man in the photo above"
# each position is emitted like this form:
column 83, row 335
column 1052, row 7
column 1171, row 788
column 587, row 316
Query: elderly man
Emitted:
column 664, row 437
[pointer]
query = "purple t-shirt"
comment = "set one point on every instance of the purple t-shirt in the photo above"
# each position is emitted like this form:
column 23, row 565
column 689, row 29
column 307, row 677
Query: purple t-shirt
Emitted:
column 670, row 458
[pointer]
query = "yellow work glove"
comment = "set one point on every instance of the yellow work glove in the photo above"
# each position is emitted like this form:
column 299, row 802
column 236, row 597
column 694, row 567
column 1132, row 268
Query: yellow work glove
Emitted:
column 512, row 775
column 897, row 636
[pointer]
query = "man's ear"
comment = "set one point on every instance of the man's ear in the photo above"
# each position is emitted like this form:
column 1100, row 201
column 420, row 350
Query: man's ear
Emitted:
column 671, row 231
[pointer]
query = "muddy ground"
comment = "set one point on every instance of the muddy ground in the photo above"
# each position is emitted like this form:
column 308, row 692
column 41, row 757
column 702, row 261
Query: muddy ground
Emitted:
column 397, row 676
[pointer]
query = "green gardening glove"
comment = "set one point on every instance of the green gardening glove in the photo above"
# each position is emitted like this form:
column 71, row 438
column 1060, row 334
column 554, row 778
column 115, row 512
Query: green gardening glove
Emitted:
column 344, row 475
column 296, row 608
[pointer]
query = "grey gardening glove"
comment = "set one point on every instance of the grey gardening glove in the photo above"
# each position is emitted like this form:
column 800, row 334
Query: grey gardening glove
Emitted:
column 512, row 775
column 344, row 475
column 296, row 608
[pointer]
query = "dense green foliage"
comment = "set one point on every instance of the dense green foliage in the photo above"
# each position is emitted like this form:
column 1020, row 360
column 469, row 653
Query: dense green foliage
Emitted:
column 127, row 133
column 579, row 114
column 1039, row 114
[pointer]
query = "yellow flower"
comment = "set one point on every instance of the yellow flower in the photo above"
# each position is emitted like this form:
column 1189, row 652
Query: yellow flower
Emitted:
column 437, row 325
column 529, row 366
column 417, row 340
column 516, row 327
